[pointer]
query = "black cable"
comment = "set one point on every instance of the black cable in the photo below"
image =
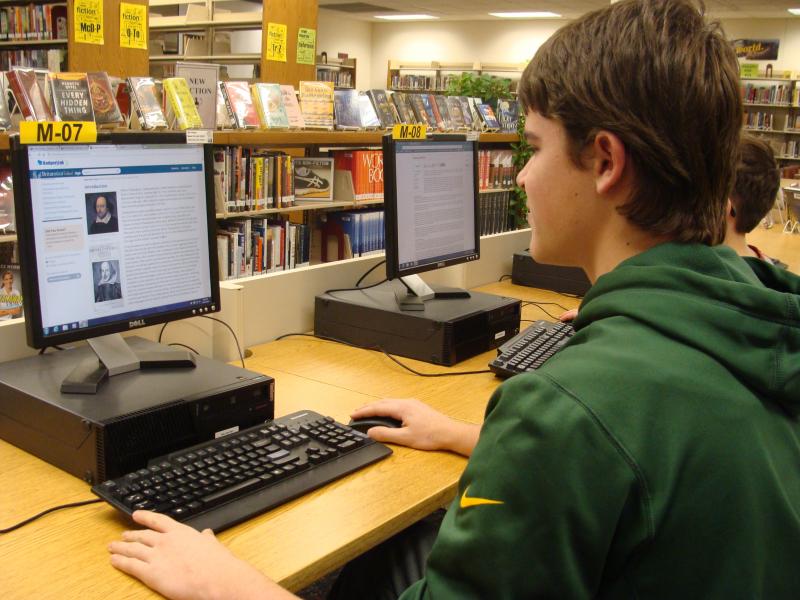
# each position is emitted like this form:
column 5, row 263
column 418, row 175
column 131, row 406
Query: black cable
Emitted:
column 160, row 333
column 364, row 276
column 536, row 303
column 233, row 333
column 353, row 289
column 549, row 314
column 503, row 277
column 184, row 346
column 379, row 349
column 49, row 510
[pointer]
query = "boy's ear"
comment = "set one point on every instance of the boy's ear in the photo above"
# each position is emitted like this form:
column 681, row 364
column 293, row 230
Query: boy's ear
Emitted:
column 610, row 160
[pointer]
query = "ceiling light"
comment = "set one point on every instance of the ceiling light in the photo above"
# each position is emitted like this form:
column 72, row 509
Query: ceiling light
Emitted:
column 405, row 17
column 526, row 15
column 794, row 11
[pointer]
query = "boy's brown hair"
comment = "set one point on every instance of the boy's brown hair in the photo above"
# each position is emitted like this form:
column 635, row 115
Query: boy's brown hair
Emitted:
column 664, row 81
column 757, row 183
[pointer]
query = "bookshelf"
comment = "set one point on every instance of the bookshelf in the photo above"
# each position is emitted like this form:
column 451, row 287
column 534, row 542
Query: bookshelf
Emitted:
column 41, row 41
column 771, row 111
column 409, row 76
column 342, row 72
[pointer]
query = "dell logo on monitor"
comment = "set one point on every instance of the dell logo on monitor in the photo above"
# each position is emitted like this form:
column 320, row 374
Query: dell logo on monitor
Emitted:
column 136, row 323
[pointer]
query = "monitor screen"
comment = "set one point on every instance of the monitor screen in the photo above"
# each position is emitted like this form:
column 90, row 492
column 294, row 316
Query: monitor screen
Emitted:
column 431, row 204
column 115, row 235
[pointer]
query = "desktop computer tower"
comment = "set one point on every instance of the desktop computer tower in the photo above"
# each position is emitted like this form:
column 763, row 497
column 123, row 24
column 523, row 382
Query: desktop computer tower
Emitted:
column 133, row 418
column 445, row 333
column 565, row 280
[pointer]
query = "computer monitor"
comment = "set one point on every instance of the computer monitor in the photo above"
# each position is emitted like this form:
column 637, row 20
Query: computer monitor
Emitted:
column 431, row 211
column 114, row 235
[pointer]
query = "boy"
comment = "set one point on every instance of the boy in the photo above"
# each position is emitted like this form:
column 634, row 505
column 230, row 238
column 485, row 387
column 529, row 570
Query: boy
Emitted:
column 655, row 455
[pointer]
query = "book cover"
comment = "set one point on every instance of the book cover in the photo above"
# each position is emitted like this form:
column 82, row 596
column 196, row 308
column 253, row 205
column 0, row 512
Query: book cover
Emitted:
column 223, row 116
column 316, row 103
column 10, row 292
column 507, row 115
column 489, row 119
column 202, row 80
column 437, row 116
column 456, row 115
column 418, row 106
column 7, row 222
column 369, row 118
column 240, row 104
column 292, row 107
column 381, row 103
column 106, row 111
column 28, row 95
column 180, row 104
column 69, row 96
column 313, row 179
column 5, row 116
column 146, row 103
column 269, row 102
column 346, row 110
column 441, row 104
column 404, row 110
column 466, row 112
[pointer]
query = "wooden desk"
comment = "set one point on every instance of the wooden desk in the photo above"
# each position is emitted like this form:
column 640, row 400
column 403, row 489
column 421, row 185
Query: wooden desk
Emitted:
column 63, row 555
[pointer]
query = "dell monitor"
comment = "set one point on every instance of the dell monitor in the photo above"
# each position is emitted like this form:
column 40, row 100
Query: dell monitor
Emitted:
column 431, row 208
column 114, row 235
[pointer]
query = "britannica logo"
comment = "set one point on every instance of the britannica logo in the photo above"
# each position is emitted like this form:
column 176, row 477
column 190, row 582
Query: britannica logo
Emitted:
column 49, row 163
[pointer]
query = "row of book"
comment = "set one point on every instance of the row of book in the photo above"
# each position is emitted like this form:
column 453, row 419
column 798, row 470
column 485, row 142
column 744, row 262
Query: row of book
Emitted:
column 248, row 247
column 338, row 78
column 33, row 22
column 494, row 212
column 495, row 169
column 420, row 82
column 760, row 120
column 789, row 149
column 779, row 93
column 51, row 59
column 353, row 233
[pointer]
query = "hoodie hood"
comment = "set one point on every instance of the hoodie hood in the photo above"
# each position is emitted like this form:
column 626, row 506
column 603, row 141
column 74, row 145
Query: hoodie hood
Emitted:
column 742, row 312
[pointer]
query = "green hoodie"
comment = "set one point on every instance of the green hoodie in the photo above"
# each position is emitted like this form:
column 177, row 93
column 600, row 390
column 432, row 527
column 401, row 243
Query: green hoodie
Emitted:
column 656, row 456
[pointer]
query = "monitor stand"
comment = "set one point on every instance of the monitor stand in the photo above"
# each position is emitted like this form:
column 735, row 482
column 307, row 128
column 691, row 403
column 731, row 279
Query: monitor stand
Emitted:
column 418, row 292
column 114, row 357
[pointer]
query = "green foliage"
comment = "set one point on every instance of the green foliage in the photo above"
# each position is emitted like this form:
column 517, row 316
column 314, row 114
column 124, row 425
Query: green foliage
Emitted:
column 486, row 87
column 521, row 152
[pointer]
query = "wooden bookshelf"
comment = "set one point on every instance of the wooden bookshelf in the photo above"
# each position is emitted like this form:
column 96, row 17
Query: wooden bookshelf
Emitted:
column 299, row 207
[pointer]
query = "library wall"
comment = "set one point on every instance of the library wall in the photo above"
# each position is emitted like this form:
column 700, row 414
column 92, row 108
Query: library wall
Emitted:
column 336, row 33
column 785, row 30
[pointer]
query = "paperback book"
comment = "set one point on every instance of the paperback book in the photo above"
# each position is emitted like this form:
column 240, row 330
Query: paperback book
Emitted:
column 369, row 118
column 456, row 114
column 441, row 104
column 269, row 103
column 69, row 95
column 181, row 110
column 106, row 110
column 403, row 107
column 316, row 104
column 313, row 179
column 422, row 110
column 146, row 103
column 346, row 110
column 241, row 110
column 488, row 117
column 292, row 107
column 381, row 103
column 28, row 96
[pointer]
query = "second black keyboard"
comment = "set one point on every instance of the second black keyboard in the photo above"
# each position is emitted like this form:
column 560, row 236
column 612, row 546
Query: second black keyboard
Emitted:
column 223, row 482
column 530, row 348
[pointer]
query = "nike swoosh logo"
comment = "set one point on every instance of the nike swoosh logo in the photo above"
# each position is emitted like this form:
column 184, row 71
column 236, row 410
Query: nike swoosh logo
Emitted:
column 467, row 502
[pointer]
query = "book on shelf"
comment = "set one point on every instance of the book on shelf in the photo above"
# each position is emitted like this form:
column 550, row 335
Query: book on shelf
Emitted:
column 202, row 80
column 456, row 114
column 369, row 118
column 292, row 107
column 316, row 104
column 313, row 179
column 440, row 102
column 106, row 111
column 507, row 115
column 10, row 291
column 403, row 107
column 381, row 103
column 146, row 102
column 466, row 112
column 8, row 223
column 5, row 116
column 241, row 110
column 223, row 117
column 70, row 98
column 181, row 111
column 438, row 118
column 422, row 111
column 345, row 109
column 27, row 95
column 269, row 103
column 488, row 117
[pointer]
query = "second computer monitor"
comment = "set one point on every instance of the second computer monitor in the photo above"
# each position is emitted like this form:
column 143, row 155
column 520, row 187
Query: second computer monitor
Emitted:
column 431, row 203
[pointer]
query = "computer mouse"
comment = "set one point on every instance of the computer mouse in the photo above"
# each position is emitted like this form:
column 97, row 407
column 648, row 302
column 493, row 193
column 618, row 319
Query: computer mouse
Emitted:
column 363, row 425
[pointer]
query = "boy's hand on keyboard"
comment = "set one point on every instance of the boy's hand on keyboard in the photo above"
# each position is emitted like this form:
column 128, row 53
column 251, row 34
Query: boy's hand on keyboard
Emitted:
column 423, row 427
column 181, row 563
column 569, row 315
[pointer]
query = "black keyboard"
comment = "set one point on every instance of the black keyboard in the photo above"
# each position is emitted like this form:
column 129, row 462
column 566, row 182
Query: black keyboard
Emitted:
column 221, row 483
column 530, row 348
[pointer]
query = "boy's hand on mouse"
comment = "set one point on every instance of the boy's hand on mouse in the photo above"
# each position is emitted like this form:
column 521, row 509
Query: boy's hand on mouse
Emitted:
column 423, row 427
column 569, row 315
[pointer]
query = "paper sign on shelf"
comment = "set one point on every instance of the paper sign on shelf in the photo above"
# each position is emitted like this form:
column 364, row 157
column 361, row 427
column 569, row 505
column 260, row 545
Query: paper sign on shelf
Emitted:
column 306, row 46
column 133, row 25
column 276, row 42
column 88, row 18
column 57, row 132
